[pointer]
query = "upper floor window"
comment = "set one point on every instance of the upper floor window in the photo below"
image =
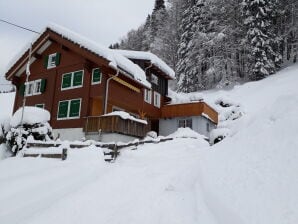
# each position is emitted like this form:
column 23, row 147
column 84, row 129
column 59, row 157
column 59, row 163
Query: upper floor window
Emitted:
column 35, row 87
column 96, row 76
column 185, row 123
column 52, row 60
column 148, row 96
column 156, row 99
column 154, row 79
column 72, row 80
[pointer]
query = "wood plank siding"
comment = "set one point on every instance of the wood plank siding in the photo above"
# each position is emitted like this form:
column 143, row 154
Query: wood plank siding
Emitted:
column 189, row 109
column 115, row 124
column 121, row 95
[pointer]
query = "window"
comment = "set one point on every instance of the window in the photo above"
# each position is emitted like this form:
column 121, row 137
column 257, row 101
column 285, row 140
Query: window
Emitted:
column 40, row 105
column 29, row 88
column 208, row 127
column 185, row 123
column 35, row 87
column 52, row 61
column 148, row 96
column 96, row 76
column 156, row 99
column 72, row 80
column 69, row 109
column 154, row 79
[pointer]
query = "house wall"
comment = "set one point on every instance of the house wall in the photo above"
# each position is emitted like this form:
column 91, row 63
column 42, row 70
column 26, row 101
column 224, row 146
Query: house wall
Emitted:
column 199, row 124
column 70, row 134
column 92, row 96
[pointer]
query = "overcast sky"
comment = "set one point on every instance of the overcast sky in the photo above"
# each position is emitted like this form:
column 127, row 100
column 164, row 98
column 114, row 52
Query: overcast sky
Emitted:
column 105, row 21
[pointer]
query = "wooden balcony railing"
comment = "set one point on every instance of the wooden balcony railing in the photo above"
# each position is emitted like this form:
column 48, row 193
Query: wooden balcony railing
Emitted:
column 115, row 124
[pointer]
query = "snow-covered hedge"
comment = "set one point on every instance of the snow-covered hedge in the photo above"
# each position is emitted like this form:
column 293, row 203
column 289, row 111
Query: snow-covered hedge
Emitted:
column 34, row 124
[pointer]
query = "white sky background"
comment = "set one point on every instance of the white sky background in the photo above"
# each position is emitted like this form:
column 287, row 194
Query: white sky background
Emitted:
column 105, row 21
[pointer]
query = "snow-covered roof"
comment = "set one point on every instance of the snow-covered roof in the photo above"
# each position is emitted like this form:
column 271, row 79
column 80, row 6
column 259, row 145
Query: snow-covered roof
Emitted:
column 32, row 115
column 142, row 55
column 125, row 116
column 116, row 60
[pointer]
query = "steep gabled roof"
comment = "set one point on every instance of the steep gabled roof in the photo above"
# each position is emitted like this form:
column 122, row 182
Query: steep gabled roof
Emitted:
column 148, row 56
column 115, row 60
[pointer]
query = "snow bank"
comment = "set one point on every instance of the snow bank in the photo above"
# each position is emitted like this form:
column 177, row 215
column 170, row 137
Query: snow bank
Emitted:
column 148, row 56
column 186, row 133
column 125, row 116
column 32, row 115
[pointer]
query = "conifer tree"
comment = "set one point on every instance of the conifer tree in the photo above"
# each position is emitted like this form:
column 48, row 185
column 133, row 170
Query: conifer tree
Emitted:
column 260, row 37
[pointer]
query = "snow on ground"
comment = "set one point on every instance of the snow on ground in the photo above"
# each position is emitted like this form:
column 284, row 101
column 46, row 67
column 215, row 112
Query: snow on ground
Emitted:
column 248, row 178
column 6, row 108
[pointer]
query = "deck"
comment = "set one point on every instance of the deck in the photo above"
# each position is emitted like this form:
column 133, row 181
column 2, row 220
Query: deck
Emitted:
column 115, row 124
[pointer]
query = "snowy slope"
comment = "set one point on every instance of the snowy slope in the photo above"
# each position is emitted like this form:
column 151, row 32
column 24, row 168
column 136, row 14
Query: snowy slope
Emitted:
column 248, row 178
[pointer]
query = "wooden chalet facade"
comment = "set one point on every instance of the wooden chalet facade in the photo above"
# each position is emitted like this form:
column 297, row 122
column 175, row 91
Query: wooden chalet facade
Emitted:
column 78, row 81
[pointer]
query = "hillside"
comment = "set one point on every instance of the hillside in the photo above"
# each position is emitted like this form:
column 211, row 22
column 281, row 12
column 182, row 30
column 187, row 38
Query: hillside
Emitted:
column 248, row 178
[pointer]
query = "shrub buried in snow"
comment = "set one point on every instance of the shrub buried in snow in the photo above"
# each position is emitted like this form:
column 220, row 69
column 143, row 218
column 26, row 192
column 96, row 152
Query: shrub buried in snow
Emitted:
column 35, row 124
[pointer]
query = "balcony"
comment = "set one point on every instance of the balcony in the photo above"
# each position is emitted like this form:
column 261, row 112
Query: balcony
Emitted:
column 116, row 124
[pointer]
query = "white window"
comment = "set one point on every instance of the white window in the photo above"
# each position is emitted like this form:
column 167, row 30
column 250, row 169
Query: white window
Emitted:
column 154, row 79
column 208, row 127
column 33, row 88
column 185, row 123
column 156, row 99
column 52, row 60
column 148, row 96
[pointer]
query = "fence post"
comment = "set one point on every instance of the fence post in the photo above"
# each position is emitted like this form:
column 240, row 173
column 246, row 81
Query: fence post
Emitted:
column 64, row 154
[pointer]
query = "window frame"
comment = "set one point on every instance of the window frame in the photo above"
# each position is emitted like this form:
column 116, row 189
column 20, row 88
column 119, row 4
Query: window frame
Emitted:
column 156, row 104
column 185, row 123
column 50, row 61
column 68, row 110
column 148, row 96
column 72, row 79
column 154, row 79
column 33, row 85
column 98, row 82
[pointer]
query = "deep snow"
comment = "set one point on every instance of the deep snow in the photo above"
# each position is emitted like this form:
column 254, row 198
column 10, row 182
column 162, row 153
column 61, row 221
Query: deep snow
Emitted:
column 248, row 178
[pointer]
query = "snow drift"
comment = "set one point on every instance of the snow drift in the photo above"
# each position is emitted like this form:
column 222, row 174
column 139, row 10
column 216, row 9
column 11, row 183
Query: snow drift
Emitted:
column 248, row 178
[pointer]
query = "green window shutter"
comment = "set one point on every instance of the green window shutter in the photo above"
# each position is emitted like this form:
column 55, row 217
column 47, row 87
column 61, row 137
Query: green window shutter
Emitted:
column 45, row 61
column 66, row 80
column 75, row 106
column 43, row 85
column 63, row 109
column 57, row 59
column 78, row 78
column 96, row 76
column 22, row 89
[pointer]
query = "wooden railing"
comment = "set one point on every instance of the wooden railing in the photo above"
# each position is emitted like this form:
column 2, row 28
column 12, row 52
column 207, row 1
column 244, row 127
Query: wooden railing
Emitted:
column 115, row 124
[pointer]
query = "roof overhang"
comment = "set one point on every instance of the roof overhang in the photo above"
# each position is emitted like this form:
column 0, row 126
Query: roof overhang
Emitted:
column 44, row 41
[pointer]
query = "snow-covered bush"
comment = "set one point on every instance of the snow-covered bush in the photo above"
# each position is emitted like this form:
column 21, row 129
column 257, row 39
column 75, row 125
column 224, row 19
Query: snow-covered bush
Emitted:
column 217, row 135
column 34, row 125
column 152, row 134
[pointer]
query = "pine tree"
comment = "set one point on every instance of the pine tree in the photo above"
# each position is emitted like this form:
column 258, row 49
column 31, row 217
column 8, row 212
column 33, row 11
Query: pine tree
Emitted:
column 187, row 30
column 260, row 37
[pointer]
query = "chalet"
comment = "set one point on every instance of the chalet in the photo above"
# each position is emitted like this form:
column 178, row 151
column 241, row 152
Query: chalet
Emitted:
column 87, row 88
